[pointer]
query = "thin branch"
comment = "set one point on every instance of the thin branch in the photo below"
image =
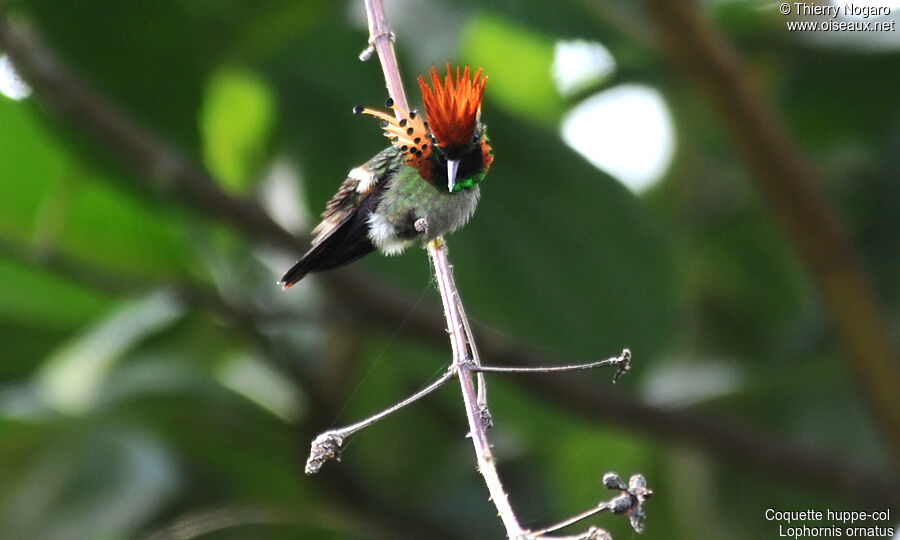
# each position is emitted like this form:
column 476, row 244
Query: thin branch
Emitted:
column 481, row 398
column 350, row 430
column 381, row 38
column 630, row 501
column 622, row 362
column 791, row 186
column 380, row 303
column 437, row 251
column 572, row 520
column 326, row 446
column 591, row 534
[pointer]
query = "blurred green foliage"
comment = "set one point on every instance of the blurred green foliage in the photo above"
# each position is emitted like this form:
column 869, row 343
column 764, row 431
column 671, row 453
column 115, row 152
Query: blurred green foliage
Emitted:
column 524, row 87
column 235, row 122
column 124, row 409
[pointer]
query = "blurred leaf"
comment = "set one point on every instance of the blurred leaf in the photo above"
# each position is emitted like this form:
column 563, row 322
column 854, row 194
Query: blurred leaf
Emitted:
column 135, row 238
column 250, row 377
column 70, row 379
column 519, row 63
column 101, row 484
column 32, row 161
column 53, row 201
column 43, row 300
column 236, row 121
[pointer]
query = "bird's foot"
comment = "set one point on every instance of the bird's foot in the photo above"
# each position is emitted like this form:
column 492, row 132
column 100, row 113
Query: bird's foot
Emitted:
column 421, row 226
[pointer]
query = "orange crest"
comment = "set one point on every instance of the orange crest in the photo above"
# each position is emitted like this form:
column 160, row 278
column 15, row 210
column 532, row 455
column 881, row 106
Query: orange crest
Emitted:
column 453, row 107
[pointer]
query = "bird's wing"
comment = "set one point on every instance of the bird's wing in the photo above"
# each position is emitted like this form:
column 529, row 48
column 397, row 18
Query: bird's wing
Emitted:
column 360, row 183
column 342, row 236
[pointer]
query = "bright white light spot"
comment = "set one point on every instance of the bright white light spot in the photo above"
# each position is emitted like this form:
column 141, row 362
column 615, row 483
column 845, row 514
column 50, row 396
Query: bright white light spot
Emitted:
column 680, row 384
column 626, row 131
column 11, row 85
column 580, row 64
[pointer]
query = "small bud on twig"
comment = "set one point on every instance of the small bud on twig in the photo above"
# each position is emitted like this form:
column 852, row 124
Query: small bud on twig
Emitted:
column 596, row 533
column 637, row 487
column 621, row 504
column 612, row 480
column 624, row 365
column 631, row 499
column 484, row 415
column 327, row 446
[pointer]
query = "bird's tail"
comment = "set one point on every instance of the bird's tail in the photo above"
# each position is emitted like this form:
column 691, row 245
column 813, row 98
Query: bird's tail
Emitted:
column 345, row 244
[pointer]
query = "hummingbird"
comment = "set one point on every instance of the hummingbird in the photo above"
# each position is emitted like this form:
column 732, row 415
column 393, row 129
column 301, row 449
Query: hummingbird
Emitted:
column 424, row 185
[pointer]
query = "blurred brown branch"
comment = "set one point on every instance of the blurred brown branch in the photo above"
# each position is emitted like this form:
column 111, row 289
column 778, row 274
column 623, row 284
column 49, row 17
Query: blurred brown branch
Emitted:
column 377, row 303
column 790, row 185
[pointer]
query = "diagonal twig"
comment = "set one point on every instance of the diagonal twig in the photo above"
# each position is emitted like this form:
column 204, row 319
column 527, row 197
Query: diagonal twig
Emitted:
column 327, row 445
